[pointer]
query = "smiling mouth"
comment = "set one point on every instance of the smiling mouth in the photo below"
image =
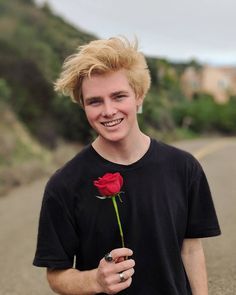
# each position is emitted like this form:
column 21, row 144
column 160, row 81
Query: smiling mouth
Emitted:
column 112, row 123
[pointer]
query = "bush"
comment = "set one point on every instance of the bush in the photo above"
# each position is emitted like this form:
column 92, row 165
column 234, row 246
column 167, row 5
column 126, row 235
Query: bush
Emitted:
column 5, row 91
column 205, row 115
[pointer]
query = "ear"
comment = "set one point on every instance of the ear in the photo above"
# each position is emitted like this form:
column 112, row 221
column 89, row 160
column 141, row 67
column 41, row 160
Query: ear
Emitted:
column 139, row 105
column 139, row 100
column 140, row 109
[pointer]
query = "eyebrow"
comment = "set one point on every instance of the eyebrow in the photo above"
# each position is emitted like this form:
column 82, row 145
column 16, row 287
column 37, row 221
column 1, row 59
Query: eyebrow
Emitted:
column 119, row 92
column 115, row 93
column 90, row 99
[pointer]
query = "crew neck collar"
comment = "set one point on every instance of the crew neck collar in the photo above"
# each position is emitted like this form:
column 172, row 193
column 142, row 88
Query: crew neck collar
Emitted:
column 135, row 164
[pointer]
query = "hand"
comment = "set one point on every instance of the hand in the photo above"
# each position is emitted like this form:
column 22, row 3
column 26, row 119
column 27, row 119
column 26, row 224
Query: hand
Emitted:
column 108, row 273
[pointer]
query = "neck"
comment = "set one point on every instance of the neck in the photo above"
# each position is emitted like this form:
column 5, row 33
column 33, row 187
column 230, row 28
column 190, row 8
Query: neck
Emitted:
column 123, row 152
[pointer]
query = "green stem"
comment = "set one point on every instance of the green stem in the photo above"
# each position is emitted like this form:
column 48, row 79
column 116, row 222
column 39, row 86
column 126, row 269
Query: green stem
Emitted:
column 118, row 220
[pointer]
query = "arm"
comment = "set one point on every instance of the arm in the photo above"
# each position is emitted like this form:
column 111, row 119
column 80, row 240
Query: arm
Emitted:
column 194, row 263
column 72, row 281
column 104, row 279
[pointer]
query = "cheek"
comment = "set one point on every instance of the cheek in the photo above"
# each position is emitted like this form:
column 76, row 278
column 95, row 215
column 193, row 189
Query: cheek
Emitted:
column 91, row 120
column 130, row 109
column 91, row 114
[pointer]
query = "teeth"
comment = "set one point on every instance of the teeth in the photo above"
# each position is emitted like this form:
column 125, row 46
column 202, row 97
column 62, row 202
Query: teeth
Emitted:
column 112, row 123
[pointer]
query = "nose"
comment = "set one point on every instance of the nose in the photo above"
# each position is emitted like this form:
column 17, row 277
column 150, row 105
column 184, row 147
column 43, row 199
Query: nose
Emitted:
column 108, row 109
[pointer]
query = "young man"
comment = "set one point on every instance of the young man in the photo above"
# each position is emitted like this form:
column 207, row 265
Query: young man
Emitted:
column 166, row 203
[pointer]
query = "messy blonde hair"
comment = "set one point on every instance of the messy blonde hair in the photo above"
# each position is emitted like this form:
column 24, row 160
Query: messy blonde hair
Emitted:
column 101, row 57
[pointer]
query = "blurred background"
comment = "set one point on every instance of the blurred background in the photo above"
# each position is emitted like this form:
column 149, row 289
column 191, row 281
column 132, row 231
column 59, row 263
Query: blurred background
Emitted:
column 191, row 53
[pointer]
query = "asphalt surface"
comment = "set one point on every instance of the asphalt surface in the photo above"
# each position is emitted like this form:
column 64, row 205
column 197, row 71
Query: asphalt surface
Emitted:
column 19, row 212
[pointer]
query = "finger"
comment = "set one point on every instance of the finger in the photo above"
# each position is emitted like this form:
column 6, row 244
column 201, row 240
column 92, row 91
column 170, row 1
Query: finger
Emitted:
column 124, row 265
column 120, row 259
column 121, row 252
column 120, row 277
column 125, row 275
column 120, row 286
column 108, row 257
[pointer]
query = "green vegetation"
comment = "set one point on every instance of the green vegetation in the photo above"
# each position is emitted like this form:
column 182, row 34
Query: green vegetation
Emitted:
column 165, row 94
column 203, row 115
column 33, row 44
column 22, row 158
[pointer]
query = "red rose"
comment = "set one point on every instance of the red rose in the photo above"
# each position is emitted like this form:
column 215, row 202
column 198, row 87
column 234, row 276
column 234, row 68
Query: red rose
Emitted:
column 109, row 184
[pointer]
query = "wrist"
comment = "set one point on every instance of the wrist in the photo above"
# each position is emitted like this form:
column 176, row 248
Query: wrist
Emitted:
column 97, row 288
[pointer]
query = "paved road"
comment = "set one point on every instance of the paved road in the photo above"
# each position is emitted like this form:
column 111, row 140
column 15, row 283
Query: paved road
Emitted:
column 19, row 212
column 218, row 157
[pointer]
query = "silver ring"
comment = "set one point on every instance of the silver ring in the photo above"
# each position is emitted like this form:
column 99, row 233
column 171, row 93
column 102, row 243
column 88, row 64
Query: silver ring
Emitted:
column 122, row 278
column 108, row 257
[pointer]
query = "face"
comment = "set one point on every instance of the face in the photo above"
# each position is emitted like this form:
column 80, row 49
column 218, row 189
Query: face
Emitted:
column 111, row 106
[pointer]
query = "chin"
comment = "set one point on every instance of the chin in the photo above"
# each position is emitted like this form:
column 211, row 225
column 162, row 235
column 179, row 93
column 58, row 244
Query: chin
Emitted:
column 113, row 139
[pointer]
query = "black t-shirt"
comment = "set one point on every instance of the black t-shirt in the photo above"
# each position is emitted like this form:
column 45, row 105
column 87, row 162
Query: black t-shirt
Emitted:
column 166, row 198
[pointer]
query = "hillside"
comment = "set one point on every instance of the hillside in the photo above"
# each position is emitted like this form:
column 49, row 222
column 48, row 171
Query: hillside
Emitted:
column 22, row 158
column 33, row 44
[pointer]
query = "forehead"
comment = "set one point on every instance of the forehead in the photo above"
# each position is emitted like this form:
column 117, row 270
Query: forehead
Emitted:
column 103, row 84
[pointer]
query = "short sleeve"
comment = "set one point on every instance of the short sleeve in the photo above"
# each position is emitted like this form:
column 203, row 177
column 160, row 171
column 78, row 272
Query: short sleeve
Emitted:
column 202, row 218
column 57, row 238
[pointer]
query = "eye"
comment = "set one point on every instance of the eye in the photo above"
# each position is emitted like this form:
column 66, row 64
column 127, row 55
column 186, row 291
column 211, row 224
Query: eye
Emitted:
column 94, row 102
column 120, row 97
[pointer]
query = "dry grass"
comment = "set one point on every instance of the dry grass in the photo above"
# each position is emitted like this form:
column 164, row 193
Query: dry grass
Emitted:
column 22, row 159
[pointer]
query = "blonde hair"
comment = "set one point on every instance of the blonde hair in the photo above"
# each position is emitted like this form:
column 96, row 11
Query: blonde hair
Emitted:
column 101, row 57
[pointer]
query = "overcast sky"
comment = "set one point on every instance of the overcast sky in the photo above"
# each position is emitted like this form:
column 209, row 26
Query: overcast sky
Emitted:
column 176, row 29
